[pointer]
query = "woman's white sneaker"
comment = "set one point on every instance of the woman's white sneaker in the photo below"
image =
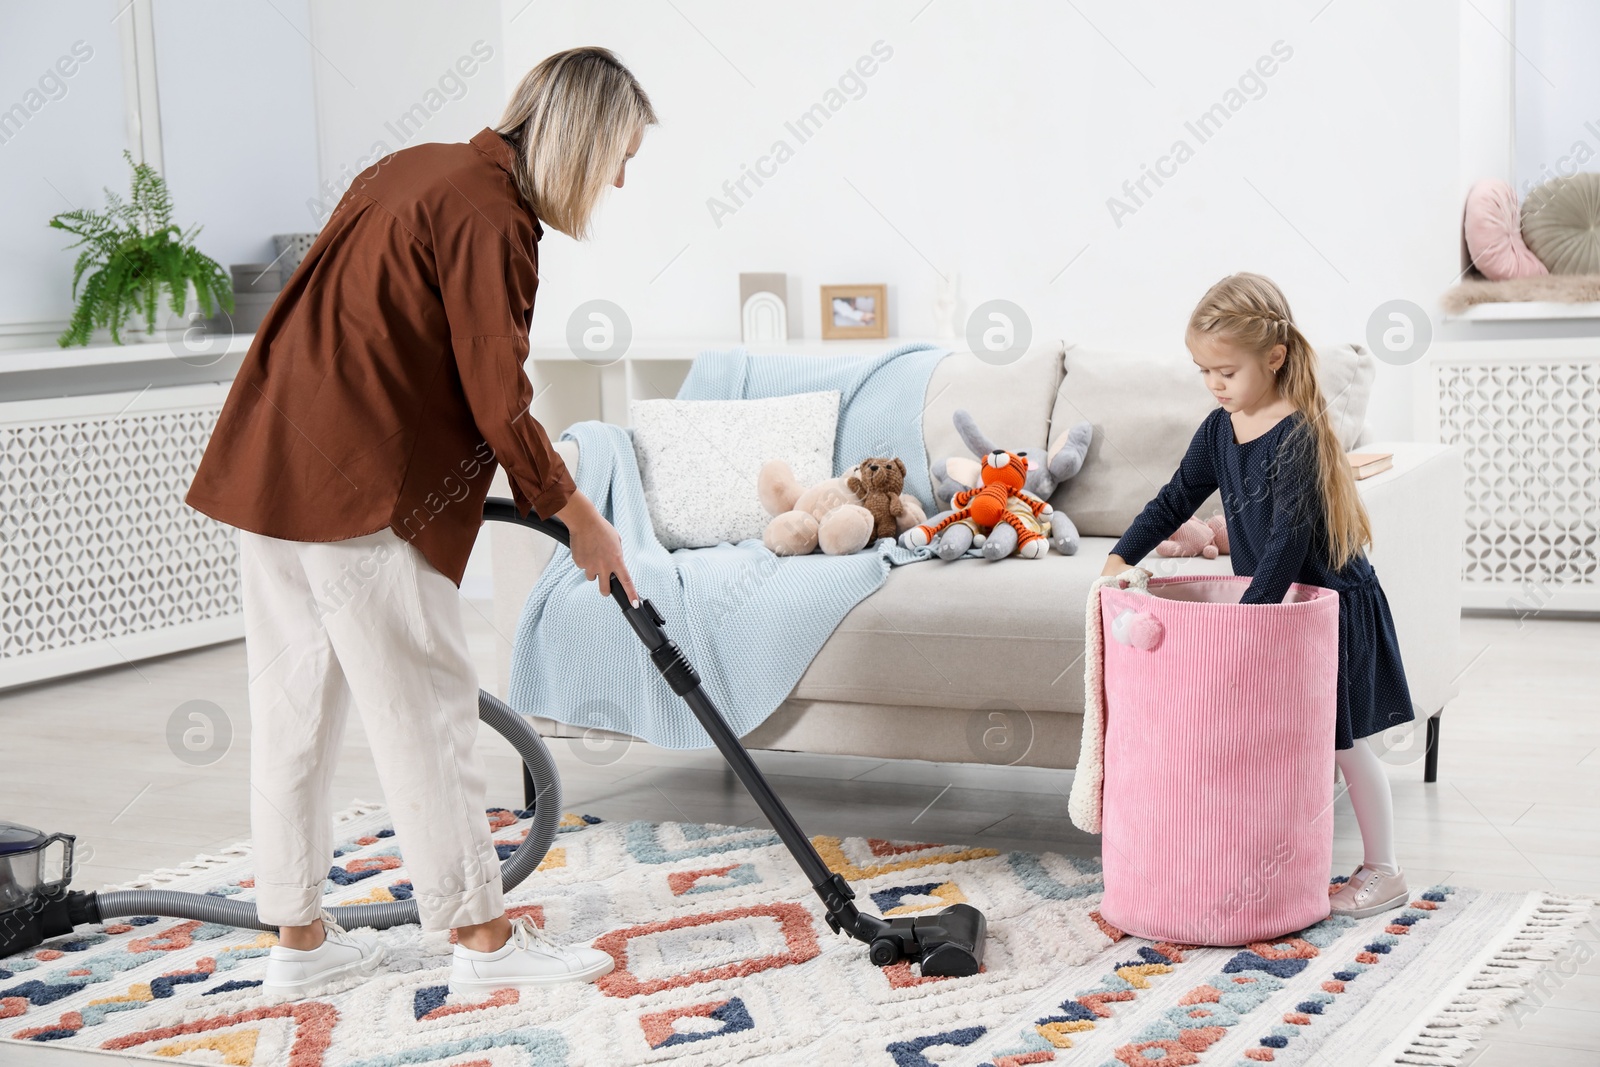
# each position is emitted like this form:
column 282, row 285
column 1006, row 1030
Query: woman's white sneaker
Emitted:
column 527, row 959
column 297, row 971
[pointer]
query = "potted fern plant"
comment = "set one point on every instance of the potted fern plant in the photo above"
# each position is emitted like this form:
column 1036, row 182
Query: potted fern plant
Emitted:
column 133, row 251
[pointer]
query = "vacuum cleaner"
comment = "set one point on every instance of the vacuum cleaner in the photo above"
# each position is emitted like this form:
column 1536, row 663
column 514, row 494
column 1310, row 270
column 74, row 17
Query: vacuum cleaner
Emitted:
column 949, row 942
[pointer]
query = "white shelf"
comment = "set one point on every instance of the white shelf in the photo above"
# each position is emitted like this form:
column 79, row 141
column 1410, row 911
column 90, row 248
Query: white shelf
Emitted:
column 686, row 349
column 1527, row 311
column 571, row 388
column 53, row 357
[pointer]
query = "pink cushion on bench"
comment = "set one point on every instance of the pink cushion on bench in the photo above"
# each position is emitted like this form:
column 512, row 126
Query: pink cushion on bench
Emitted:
column 1493, row 226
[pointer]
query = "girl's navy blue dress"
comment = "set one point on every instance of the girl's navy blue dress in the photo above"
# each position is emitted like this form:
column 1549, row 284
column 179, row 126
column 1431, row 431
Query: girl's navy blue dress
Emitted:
column 1277, row 534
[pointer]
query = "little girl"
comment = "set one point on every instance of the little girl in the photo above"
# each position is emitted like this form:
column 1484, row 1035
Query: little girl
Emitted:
column 1293, row 516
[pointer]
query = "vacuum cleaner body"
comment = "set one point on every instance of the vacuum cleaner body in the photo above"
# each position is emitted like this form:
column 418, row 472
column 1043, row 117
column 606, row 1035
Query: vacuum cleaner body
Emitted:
column 33, row 907
column 948, row 943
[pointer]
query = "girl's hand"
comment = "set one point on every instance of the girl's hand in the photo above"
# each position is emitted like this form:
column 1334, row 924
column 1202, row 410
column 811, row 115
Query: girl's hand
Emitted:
column 596, row 546
column 1116, row 565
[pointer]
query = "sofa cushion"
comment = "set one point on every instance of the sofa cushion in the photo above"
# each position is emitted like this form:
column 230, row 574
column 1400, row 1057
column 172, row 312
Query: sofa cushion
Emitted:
column 970, row 634
column 1010, row 402
column 1145, row 410
column 699, row 460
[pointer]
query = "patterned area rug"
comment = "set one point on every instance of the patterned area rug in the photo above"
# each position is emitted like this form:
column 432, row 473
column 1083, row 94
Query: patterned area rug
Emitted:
column 723, row 957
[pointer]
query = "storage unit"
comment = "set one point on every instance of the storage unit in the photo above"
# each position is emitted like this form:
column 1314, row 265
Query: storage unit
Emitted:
column 1526, row 414
column 101, row 562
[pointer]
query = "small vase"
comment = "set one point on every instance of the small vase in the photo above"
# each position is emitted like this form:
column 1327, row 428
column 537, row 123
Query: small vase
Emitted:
column 169, row 327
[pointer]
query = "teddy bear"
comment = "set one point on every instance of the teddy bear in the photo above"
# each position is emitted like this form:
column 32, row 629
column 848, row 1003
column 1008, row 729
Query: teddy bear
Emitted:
column 1059, row 461
column 877, row 483
column 828, row 515
column 1197, row 537
column 1000, row 516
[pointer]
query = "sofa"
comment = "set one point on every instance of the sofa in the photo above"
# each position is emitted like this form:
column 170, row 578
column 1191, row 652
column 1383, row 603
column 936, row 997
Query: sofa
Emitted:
column 971, row 661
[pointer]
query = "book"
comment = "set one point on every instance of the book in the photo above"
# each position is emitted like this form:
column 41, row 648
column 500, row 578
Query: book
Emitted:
column 1366, row 464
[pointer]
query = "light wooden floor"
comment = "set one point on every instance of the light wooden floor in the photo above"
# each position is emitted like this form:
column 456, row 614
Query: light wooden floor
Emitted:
column 1517, row 806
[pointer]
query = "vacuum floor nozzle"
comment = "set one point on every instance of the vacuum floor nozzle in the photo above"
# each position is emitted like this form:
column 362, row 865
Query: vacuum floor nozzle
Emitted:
column 952, row 942
column 948, row 943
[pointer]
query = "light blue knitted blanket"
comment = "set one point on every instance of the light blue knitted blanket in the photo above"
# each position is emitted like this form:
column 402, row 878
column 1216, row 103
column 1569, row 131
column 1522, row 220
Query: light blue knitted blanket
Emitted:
column 750, row 621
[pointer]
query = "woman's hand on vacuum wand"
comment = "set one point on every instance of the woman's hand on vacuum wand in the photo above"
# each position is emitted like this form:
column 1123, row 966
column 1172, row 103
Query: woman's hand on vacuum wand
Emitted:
column 596, row 546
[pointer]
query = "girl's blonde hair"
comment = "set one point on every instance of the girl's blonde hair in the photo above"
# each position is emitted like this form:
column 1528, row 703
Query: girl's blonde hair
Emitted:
column 572, row 119
column 1251, row 311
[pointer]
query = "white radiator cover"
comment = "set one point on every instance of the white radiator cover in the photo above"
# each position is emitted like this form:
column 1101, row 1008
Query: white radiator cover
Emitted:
column 1527, row 415
column 101, row 561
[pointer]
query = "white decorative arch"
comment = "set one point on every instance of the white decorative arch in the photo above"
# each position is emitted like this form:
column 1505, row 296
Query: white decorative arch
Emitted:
column 765, row 318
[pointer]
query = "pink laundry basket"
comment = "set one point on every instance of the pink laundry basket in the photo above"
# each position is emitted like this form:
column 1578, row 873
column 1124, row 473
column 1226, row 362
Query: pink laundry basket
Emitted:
column 1217, row 815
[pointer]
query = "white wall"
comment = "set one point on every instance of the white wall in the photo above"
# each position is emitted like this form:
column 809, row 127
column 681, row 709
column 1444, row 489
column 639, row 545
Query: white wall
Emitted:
column 393, row 74
column 990, row 142
column 238, row 144
column 1488, row 59
column 238, row 121
column 1557, row 90
column 56, row 153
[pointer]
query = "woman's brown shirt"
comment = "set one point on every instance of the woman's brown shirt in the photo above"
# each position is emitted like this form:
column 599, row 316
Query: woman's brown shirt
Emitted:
column 386, row 382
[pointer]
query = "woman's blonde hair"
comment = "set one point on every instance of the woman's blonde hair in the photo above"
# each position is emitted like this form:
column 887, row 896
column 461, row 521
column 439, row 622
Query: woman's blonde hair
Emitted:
column 1251, row 311
column 571, row 120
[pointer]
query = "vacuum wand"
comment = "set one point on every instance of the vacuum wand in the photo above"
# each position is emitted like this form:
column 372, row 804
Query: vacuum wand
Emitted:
column 947, row 943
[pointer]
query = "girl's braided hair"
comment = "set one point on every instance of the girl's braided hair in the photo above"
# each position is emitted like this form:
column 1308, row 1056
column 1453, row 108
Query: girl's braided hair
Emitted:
column 1251, row 311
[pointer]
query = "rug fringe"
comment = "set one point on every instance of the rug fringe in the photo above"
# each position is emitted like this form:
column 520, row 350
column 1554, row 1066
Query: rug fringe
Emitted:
column 1454, row 1031
column 205, row 861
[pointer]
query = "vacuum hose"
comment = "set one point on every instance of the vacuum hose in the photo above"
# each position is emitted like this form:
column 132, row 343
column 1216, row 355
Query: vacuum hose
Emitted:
column 521, row 863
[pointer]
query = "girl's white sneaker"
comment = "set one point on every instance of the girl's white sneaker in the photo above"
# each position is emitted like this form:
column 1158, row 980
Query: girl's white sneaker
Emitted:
column 296, row 971
column 1368, row 892
column 527, row 959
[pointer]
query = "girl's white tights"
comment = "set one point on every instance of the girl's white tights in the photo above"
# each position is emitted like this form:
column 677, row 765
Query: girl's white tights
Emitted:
column 1369, row 795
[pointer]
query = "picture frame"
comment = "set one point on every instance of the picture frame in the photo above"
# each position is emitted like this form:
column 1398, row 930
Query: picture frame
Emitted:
column 854, row 311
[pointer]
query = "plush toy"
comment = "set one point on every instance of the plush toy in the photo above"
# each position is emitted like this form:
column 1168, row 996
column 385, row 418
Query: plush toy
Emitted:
column 827, row 515
column 1001, row 516
column 1062, row 460
column 1197, row 537
column 877, row 483
column 1219, row 533
column 1059, row 461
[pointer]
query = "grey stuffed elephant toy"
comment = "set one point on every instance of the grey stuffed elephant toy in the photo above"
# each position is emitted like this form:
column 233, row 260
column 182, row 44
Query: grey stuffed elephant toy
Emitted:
column 1062, row 459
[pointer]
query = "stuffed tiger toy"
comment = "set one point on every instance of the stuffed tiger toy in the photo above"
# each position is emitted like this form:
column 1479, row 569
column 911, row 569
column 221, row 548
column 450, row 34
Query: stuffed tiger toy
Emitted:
column 990, row 514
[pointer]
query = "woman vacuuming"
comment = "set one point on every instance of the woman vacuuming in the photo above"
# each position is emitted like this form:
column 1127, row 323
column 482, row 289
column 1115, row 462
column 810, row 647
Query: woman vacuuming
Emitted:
column 1293, row 516
column 354, row 454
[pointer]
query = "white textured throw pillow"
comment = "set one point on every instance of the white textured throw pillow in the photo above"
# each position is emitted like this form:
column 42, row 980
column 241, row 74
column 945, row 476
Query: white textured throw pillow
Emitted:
column 699, row 460
column 1345, row 372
